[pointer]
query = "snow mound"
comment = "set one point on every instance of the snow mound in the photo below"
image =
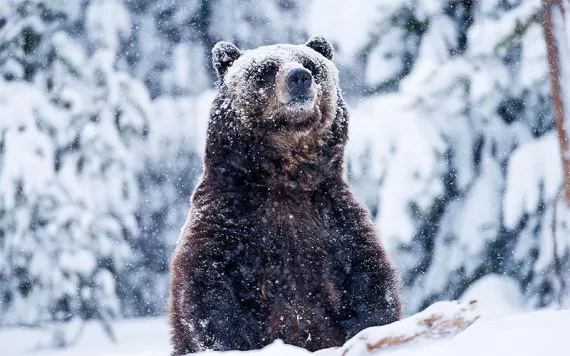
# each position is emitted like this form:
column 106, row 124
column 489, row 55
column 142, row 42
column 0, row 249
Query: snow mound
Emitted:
column 439, row 331
column 497, row 296
column 537, row 333
column 439, row 321
column 532, row 334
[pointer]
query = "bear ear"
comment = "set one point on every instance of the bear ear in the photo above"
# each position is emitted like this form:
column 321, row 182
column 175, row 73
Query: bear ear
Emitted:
column 319, row 44
column 224, row 55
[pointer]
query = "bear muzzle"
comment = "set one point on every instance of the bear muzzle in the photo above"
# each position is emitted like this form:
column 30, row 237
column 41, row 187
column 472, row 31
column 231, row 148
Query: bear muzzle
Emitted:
column 299, row 89
column 298, row 82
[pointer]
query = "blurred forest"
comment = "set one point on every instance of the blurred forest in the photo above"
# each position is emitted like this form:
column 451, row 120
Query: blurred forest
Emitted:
column 103, row 109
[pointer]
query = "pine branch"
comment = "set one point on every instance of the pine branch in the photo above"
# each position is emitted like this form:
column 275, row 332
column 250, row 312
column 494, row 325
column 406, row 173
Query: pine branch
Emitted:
column 520, row 29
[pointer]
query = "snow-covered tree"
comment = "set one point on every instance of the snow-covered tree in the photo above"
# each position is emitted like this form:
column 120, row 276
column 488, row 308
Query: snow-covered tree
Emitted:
column 539, row 205
column 102, row 114
column 476, row 87
column 71, row 129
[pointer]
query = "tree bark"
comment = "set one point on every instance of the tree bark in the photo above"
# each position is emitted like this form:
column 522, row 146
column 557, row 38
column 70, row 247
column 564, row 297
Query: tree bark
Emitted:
column 555, row 26
column 557, row 42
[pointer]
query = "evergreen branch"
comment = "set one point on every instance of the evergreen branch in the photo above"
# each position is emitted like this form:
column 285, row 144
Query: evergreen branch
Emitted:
column 519, row 31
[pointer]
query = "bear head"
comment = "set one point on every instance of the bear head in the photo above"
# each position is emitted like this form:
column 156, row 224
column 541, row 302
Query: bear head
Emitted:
column 279, row 114
column 282, row 86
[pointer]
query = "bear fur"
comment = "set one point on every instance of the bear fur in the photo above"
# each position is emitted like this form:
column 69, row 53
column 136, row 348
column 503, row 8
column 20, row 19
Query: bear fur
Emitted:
column 275, row 245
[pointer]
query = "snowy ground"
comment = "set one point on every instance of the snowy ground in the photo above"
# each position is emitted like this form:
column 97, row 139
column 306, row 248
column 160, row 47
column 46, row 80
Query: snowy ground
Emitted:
column 137, row 337
column 527, row 334
column 531, row 334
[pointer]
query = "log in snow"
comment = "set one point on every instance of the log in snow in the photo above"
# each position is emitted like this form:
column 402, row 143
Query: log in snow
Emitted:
column 442, row 320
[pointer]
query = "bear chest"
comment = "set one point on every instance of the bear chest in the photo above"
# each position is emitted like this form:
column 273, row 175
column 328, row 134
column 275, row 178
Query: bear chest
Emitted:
column 287, row 254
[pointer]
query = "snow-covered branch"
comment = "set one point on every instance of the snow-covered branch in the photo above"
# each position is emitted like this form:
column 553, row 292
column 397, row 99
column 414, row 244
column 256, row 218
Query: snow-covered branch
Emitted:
column 439, row 321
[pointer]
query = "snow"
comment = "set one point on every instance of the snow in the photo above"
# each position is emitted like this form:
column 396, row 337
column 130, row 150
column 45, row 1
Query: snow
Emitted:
column 497, row 297
column 458, row 163
column 528, row 174
column 68, row 189
column 403, row 153
column 383, row 63
column 332, row 18
column 538, row 333
column 134, row 337
column 254, row 23
column 441, row 320
column 529, row 334
column 186, row 114
column 479, row 220
column 434, row 49
column 534, row 67
column 107, row 21
column 491, row 31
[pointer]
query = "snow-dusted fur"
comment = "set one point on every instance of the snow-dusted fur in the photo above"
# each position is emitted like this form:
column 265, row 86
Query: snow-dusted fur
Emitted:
column 275, row 246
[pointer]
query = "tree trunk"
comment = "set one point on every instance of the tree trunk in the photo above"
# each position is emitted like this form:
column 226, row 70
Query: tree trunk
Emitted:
column 554, row 23
column 556, row 32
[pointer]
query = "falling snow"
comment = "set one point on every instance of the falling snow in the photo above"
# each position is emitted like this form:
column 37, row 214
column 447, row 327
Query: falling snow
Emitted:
column 103, row 117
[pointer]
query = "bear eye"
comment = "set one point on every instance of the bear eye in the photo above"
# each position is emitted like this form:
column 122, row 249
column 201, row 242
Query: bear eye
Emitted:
column 266, row 75
column 311, row 67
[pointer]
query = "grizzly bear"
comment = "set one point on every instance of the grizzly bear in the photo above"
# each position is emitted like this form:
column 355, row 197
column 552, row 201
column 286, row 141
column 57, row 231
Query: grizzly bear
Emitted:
column 276, row 246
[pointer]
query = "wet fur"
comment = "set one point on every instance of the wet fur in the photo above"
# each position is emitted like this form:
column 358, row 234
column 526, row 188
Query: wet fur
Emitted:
column 276, row 246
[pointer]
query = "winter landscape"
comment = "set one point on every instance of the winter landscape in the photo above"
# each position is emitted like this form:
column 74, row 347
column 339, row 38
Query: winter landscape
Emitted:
column 457, row 146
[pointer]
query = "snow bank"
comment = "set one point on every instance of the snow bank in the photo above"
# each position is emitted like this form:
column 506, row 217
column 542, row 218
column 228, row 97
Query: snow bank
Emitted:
column 497, row 296
column 537, row 333
column 134, row 337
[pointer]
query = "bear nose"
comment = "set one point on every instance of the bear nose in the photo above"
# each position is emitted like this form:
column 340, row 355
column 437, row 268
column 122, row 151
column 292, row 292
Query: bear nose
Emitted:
column 298, row 81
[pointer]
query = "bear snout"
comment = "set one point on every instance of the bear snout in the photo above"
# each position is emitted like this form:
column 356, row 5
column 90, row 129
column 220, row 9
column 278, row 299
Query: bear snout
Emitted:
column 298, row 81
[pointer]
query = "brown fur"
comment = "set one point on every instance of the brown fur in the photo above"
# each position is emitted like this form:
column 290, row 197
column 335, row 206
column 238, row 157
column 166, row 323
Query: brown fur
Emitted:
column 275, row 245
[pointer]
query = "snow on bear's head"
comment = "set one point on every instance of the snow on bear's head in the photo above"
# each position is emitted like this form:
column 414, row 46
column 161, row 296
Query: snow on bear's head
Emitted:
column 280, row 85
